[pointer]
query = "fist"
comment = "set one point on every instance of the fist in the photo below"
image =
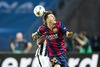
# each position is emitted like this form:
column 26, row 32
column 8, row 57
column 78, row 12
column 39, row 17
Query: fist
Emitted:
column 69, row 34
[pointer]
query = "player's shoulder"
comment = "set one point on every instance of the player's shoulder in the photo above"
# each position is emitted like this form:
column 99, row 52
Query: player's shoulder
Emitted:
column 42, row 26
column 58, row 23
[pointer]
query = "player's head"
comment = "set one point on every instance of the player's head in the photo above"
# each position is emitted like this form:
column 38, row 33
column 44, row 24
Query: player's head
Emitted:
column 19, row 36
column 49, row 17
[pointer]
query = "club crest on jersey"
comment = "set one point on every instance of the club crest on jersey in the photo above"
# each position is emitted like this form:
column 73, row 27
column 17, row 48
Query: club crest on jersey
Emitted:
column 54, row 60
column 55, row 30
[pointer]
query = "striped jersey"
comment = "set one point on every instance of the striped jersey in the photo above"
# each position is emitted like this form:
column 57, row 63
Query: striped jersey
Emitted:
column 54, row 38
column 42, row 50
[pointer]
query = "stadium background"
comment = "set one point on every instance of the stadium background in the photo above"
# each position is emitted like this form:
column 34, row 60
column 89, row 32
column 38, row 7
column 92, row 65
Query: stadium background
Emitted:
column 17, row 16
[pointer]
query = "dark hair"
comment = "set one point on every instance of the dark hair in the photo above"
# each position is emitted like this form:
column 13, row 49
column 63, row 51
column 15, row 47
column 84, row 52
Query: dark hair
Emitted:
column 45, row 16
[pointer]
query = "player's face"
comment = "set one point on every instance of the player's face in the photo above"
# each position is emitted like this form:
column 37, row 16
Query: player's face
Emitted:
column 51, row 18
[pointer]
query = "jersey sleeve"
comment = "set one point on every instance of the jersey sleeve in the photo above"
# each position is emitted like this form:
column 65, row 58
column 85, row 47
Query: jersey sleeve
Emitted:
column 40, row 31
column 63, row 28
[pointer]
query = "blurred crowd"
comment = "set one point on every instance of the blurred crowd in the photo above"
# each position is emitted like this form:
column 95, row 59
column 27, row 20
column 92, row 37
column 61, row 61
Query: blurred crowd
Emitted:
column 78, row 43
column 83, row 43
column 20, row 45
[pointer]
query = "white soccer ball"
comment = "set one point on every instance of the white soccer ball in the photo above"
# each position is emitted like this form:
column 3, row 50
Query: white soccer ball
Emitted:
column 39, row 11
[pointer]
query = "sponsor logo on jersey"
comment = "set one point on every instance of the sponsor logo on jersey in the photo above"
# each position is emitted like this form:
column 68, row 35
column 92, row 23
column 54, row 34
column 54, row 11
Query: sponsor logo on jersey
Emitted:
column 53, row 36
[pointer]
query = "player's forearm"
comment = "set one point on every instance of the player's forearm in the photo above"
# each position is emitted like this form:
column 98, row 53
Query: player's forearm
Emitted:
column 41, row 40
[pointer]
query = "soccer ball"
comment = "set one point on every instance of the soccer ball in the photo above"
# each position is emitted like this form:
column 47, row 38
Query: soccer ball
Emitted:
column 39, row 11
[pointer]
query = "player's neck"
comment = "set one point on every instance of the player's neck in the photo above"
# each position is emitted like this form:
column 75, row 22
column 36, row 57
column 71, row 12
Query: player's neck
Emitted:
column 50, row 25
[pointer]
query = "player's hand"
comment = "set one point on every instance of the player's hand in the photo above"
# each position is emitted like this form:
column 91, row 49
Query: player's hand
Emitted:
column 34, row 35
column 69, row 34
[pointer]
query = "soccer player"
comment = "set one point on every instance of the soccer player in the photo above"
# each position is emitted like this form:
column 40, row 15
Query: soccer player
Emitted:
column 53, row 32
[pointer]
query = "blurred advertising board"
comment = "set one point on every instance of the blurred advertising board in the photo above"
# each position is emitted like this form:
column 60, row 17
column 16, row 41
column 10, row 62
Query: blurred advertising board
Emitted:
column 26, row 60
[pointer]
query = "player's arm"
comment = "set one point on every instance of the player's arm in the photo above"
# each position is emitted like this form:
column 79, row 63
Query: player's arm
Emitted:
column 65, row 31
column 41, row 40
column 39, row 32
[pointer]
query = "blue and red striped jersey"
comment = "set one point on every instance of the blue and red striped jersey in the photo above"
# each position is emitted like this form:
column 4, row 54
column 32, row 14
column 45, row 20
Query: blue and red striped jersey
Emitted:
column 54, row 38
